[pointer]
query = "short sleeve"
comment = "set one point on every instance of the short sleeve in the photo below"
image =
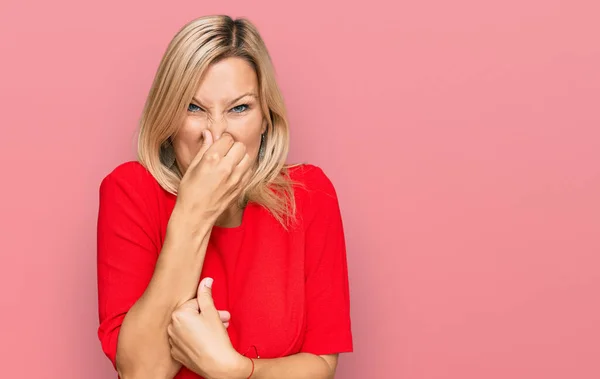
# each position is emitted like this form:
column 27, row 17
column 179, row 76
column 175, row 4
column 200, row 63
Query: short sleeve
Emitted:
column 328, row 326
column 126, row 251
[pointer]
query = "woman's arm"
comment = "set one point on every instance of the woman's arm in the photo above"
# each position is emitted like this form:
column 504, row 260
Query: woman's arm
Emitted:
column 137, row 286
column 297, row 366
column 143, row 350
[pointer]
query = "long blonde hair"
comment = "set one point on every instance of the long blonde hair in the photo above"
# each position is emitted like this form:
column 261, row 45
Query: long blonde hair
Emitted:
column 194, row 48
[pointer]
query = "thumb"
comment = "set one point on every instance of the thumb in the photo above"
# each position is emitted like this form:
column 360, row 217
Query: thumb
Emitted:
column 207, row 141
column 205, row 299
column 190, row 304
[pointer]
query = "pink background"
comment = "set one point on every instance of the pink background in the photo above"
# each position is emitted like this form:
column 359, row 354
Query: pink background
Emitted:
column 463, row 138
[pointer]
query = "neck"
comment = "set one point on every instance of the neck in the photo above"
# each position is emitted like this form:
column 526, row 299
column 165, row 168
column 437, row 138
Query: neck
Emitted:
column 231, row 217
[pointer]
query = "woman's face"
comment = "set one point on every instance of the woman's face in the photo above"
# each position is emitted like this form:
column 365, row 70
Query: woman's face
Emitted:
column 226, row 101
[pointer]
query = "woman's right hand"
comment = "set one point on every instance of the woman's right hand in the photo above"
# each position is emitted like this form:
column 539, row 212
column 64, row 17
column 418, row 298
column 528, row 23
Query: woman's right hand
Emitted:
column 214, row 178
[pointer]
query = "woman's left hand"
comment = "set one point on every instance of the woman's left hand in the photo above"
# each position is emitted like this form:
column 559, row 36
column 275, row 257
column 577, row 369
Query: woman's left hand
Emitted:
column 199, row 339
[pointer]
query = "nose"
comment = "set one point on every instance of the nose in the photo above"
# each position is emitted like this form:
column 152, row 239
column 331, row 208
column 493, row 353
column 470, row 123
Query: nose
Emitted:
column 217, row 127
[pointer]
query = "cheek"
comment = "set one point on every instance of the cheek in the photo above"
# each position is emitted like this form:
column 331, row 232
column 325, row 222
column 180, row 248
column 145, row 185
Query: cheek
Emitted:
column 188, row 141
column 248, row 130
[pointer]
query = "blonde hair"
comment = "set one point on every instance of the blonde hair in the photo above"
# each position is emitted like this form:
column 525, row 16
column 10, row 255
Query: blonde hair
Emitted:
column 194, row 48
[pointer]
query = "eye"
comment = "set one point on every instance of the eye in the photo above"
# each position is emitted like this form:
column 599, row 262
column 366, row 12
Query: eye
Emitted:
column 240, row 108
column 194, row 108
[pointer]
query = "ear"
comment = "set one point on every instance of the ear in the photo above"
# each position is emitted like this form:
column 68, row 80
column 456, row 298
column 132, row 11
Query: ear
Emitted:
column 264, row 126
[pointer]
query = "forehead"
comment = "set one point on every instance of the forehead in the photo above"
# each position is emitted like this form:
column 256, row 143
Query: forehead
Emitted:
column 225, row 80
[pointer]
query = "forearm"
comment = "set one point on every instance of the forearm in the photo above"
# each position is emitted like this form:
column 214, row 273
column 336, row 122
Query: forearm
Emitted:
column 143, row 348
column 297, row 366
column 176, row 274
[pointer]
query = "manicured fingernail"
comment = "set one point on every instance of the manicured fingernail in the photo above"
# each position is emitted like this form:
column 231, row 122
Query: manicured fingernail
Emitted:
column 208, row 282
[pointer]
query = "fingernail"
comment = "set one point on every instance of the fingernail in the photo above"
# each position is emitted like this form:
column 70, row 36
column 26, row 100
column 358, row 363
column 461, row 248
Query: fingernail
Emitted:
column 208, row 282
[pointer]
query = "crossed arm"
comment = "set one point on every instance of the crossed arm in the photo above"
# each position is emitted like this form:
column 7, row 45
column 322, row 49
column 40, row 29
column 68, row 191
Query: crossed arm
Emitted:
column 143, row 349
column 297, row 366
column 141, row 354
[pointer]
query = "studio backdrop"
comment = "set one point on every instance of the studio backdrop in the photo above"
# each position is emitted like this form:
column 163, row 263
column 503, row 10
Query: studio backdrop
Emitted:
column 463, row 138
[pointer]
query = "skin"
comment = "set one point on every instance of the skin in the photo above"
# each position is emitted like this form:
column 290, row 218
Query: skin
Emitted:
column 175, row 323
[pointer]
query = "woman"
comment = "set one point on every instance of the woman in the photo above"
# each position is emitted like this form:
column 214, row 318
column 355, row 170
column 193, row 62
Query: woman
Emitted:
column 215, row 259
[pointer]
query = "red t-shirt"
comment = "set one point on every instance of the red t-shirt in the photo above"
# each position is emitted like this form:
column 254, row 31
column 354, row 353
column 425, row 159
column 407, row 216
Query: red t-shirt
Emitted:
column 287, row 291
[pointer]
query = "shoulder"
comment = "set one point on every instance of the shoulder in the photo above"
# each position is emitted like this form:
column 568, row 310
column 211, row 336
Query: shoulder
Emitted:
column 131, row 175
column 312, row 178
column 313, row 189
column 129, row 182
column 129, row 172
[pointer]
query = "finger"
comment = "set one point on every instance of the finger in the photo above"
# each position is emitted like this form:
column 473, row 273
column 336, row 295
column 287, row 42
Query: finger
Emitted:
column 234, row 155
column 175, row 354
column 205, row 300
column 224, row 316
column 248, row 175
column 190, row 304
column 241, row 173
column 240, row 177
column 226, row 325
column 207, row 141
column 237, row 189
column 221, row 146
column 171, row 343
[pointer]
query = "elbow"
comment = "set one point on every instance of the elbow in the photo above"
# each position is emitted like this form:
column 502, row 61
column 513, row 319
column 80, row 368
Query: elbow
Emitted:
column 329, row 366
column 123, row 373
column 330, row 374
column 129, row 373
column 126, row 365
column 128, row 369
column 147, row 366
column 124, row 368
column 141, row 355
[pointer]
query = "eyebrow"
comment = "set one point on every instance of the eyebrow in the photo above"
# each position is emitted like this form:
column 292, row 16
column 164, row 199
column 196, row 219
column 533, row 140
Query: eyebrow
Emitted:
column 232, row 101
